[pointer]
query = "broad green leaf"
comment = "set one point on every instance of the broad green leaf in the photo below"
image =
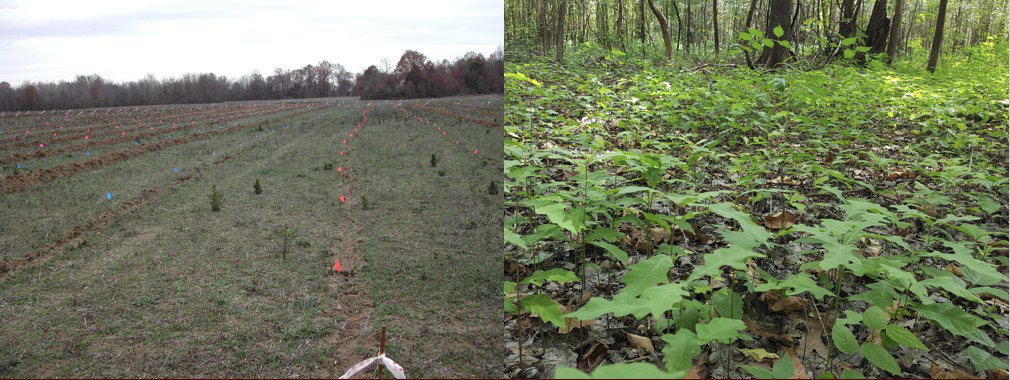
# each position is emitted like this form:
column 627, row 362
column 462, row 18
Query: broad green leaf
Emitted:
column 982, row 360
column 646, row 274
column 622, row 304
column 903, row 337
column 987, row 271
column 661, row 298
column 510, row 301
column 951, row 317
column 796, row 284
column 880, row 358
column 618, row 253
column 727, row 303
column 733, row 256
column 753, row 234
column 843, row 338
column 745, row 36
column 778, row 31
column 514, row 238
column 875, row 318
column 952, row 285
column 785, row 44
column 987, row 204
column 848, row 41
column 851, row 374
column 722, row 330
column 848, row 53
column 783, row 368
column 862, row 49
column 615, row 371
column 554, row 275
column 758, row 372
column 768, row 42
column 541, row 305
column 680, row 349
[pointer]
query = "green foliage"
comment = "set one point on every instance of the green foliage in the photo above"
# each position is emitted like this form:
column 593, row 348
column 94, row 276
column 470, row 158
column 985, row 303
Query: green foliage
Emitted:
column 215, row 198
column 256, row 187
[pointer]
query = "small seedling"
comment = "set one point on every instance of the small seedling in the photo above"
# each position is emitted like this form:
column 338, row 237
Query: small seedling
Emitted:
column 256, row 187
column 364, row 203
column 215, row 198
column 287, row 241
column 433, row 160
column 492, row 188
column 328, row 166
column 441, row 173
column 304, row 243
column 68, row 155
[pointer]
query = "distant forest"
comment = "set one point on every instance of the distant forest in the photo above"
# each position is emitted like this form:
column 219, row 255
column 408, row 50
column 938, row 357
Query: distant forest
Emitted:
column 412, row 77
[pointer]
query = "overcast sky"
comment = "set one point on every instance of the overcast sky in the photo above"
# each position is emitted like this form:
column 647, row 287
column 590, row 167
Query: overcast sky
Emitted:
column 49, row 40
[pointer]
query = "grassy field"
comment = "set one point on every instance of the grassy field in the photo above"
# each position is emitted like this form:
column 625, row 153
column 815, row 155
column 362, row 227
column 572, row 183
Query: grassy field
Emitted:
column 153, row 283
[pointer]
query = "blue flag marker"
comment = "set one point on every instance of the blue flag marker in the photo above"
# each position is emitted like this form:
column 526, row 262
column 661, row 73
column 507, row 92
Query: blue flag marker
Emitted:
column 213, row 154
column 19, row 166
column 257, row 136
column 176, row 170
column 272, row 130
column 87, row 154
column 108, row 195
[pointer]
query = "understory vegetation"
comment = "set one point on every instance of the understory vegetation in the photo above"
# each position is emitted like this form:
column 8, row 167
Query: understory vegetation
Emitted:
column 670, row 221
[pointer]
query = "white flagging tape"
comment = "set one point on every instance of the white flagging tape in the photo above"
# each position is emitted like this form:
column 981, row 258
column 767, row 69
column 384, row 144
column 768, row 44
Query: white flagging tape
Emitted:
column 393, row 368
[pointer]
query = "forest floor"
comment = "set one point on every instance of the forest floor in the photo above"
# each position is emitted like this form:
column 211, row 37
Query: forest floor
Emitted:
column 150, row 282
column 726, row 223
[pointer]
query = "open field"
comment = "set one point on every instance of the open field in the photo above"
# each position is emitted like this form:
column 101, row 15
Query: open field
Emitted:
column 112, row 263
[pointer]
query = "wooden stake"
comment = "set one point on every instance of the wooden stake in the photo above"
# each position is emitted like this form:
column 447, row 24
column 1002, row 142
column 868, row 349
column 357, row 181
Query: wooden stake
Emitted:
column 382, row 348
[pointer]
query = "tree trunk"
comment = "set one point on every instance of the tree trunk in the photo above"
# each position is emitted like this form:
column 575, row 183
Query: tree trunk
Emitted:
column 779, row 16
column 542, row 16
column 847, row 25
column 687, row 36
column 666, row 29
column 876, row 30
column 680, row 25
column 620, row 24
column 934, row 51
column 715, row 24
column 892, row 42
column 562, row 6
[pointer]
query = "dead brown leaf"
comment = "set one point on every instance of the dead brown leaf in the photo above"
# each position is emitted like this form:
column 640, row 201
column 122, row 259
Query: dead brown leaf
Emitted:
column 755, row 328
column 799, row 371
column 788, row 304
column 955, row 270
column 998, row 373
column 780, row 220
column 573, row 323
column 643, row 344
column 593, row 357
column 939, row 373
column 812, row 341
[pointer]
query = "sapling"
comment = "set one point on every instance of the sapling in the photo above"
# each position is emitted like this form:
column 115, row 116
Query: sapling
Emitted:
column 215, row 198
column 256, row 187
column 433, row 160
column 287, row 232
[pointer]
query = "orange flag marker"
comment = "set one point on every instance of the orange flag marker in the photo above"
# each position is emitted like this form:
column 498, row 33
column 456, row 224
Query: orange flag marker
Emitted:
column 336, row 265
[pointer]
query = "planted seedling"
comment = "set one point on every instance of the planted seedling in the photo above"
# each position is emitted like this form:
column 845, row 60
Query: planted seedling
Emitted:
column 215, row 198
column 257, row 188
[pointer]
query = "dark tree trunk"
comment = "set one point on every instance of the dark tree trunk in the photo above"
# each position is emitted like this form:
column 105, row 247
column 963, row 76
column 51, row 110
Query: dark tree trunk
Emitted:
column 687, row 37
column 847, row 25
column 666, row 29
column 715, row 24
column 562, row 7
column 620, row 24
column 877, row 30
column 779, row 16
column 542, row 16
column 746, row 27
column 680, row 25
column 934, row 51
column 892, row 42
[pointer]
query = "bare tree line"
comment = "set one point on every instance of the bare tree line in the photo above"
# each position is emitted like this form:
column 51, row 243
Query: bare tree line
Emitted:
column 414, row 76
